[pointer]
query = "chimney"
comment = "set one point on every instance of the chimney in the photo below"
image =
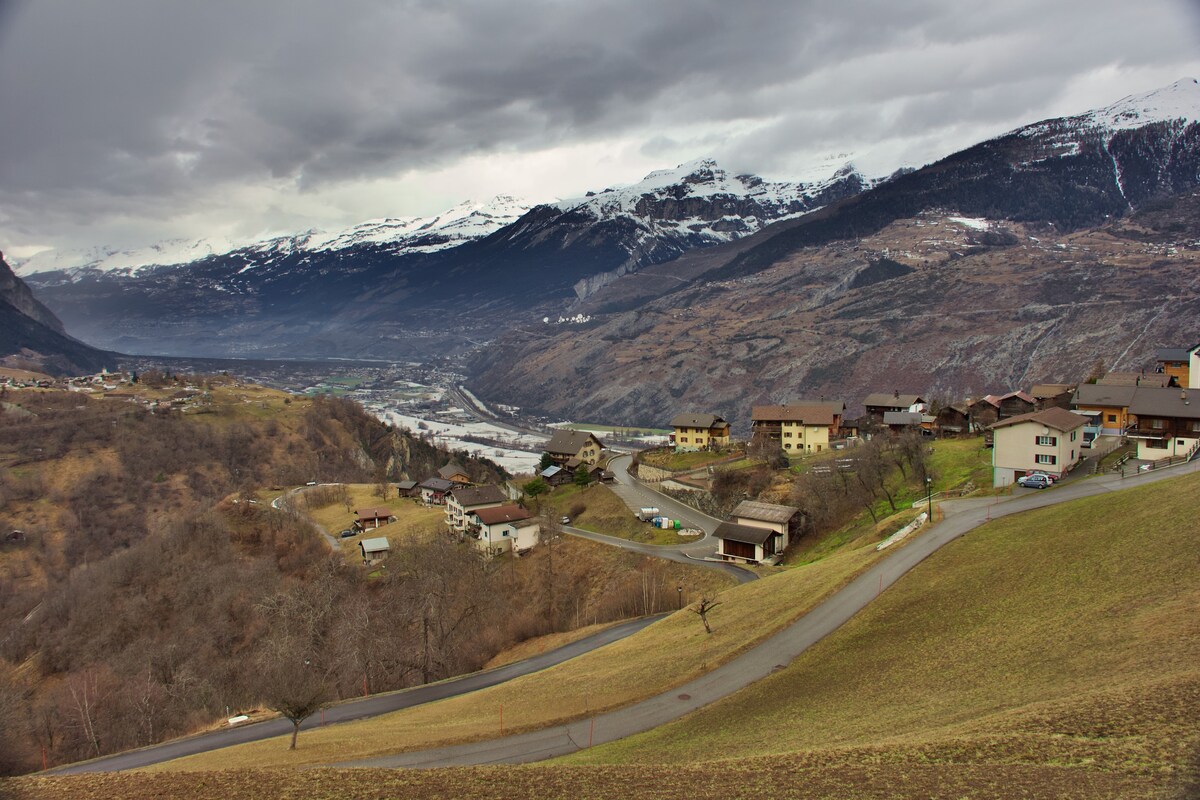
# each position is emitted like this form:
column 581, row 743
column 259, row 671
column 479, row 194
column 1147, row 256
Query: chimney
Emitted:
column 896, row 393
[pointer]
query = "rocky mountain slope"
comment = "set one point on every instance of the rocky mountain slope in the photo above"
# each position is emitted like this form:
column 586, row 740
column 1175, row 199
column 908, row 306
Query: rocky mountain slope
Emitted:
column 31, row 337
column 1024, row 258
column 398, row 288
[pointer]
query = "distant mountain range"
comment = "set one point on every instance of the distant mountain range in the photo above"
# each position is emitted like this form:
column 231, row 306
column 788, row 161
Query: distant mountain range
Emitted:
column 481, row 278
column 393, row 288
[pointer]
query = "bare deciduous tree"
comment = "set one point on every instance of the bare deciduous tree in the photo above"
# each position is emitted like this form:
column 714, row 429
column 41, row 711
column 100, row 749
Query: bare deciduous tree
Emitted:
column 702, row 608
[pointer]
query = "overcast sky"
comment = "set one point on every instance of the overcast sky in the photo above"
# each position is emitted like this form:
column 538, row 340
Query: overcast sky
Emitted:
column 125, row 122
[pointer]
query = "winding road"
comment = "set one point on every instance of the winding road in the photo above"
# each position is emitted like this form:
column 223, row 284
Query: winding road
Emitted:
column 755, row 664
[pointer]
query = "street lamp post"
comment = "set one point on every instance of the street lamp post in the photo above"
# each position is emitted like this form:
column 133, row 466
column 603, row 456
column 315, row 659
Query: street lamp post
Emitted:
column 929, row 496
column 680, row 590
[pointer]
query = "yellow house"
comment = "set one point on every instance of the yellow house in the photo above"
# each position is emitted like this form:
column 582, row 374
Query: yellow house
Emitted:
column 699, row 431
column 1108, row 404
column 570, row 448
column 800, row 427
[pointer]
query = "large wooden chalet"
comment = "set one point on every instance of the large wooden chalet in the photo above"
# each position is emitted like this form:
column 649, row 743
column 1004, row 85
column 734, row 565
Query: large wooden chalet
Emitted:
column 569, row 448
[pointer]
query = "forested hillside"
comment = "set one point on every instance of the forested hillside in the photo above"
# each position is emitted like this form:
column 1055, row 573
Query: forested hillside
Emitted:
column 154, row 590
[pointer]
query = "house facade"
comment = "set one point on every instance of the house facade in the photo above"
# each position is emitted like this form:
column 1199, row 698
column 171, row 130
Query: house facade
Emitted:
column 1049, row 441
column 1165, row 422
column 879, row 403
column 454, row 473
column 699, row 432
column 799, row 427
column 1052, row 394
column 570, row 448
column 1175, row 362
column 756, row 532
column 462, row 501
column 1108, row 407
column 503, row 528
column 434, row 491
column 374, row 549
column 372, row 518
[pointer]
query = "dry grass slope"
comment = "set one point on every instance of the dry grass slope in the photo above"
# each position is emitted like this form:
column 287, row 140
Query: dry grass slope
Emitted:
column 1065, row 636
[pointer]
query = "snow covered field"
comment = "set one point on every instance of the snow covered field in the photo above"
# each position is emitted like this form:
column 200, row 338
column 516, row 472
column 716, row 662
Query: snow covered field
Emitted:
column 522, row 453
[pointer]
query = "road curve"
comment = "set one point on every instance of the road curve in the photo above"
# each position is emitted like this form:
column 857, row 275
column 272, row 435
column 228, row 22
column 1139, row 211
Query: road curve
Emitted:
column 355, row 709
column 762, row 660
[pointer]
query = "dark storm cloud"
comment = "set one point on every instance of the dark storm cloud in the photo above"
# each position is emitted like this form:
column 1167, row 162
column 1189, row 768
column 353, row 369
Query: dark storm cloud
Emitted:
column 141, row 108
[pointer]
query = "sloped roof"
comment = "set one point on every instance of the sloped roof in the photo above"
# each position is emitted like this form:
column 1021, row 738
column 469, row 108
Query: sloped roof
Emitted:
column 767, row 512
column 551, row 471
column 901, row 418
column 1158, row 379
column 892, row 400
column 450, row 470
column 499, row 514
column 569, row 442
column 1150, row 401
column 1173, row 354
column 467, row 496
column 437, row 484
column 1096, row 394
column 377, row 545
column 689, row 420
column 808, row 413
column 405, row 485
column 742, row 533
column 373, row 513
column 1057, row 418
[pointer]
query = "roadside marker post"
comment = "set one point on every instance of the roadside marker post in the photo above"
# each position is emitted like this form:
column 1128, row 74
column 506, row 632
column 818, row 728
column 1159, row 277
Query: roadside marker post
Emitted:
column 502, row 719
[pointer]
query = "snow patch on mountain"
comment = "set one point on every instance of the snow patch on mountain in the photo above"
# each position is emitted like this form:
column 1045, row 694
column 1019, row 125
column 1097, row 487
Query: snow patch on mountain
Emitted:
column 462, row 223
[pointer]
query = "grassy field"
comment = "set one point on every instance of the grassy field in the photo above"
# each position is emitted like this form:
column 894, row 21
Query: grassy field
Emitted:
column 414, row 520
column 666, row 654
column 854, row 776
column 1068, row 636
column 666, row 459
column 606, row 513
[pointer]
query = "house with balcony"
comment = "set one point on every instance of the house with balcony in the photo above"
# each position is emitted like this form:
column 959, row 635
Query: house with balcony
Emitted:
column 570, row 448
column 756, row 532
column 368, row 519
column 1049, row 441
column 699, row 432
column 434, row 490
column 803, row 427
column 1165, row 422
column 879, row 403
column 1106, row 406
column 504, row 528
column 462, row 501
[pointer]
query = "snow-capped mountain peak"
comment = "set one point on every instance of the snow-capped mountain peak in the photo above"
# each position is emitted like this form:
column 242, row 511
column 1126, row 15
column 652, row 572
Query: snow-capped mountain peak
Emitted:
column 1180, row 100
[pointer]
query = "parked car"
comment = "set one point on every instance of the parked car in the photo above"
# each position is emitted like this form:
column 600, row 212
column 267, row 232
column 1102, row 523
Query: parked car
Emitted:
column 346, row 534
column 1035, row 481
column 1046, row 475
column 565, row 520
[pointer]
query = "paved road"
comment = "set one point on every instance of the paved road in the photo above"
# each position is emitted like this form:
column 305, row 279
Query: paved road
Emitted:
column 637, row 495
column 330, row 539
column 769, row 656
column 356, row 709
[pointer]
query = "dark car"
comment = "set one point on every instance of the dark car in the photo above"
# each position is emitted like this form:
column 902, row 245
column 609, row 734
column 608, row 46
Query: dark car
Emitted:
column 1035, row 481
column 346, row 534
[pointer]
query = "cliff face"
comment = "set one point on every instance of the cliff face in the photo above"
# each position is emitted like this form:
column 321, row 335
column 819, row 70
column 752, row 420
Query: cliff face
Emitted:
column 937, row 303
column 31, row 337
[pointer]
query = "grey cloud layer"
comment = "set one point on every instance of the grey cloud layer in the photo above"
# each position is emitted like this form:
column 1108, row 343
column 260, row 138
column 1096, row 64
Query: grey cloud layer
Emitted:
column 144, row 108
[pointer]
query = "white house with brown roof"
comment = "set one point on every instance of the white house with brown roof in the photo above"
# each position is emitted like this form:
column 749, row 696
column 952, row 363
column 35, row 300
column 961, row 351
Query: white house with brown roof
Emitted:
column 1049, row 441
column 1165, row 422
column 756, row 532
column 462, row 501
column 799, row 427
column 699, row 432
column 503, row 528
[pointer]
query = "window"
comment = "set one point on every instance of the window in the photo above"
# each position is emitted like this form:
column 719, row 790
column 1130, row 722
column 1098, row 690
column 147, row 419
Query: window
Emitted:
column 787, row 446
column 1073, row 435
column 787, row 434
column 1112, row 417
column 1157, row 424
column 683, row 438
column 1196, row 426
column 1042, row 458
column 1047, row 441
column 505, row 533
